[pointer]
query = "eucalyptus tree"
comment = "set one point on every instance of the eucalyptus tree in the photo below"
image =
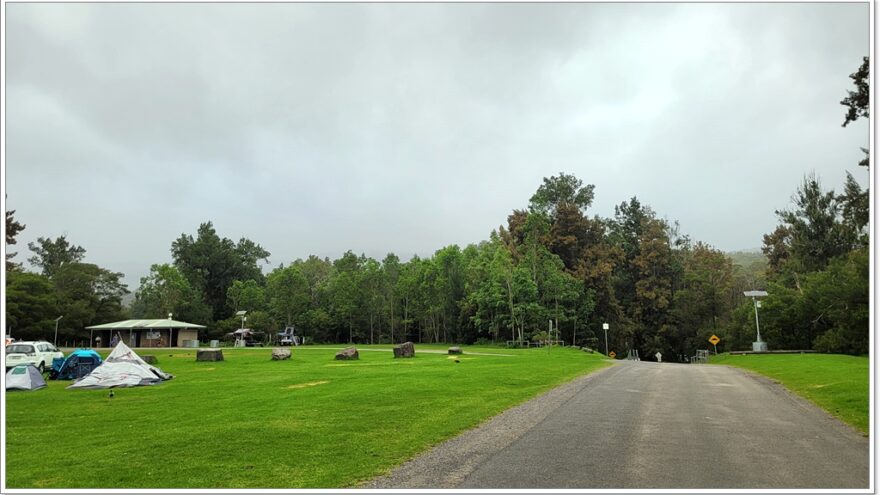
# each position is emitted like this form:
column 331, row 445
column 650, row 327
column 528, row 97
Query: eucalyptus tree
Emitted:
column 88, row 294
column 49, row 255
column 211, row 264
column 345, row 291
column 287, row 292
column 372, row 293
column 391, row 269
column 165, row 290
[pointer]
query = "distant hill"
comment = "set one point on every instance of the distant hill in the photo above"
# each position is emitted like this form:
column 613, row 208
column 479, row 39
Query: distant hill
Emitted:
column 750, row 266
column 747, row 258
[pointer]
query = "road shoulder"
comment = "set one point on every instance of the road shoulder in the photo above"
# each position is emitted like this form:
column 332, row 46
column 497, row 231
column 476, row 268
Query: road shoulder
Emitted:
column 801, row 401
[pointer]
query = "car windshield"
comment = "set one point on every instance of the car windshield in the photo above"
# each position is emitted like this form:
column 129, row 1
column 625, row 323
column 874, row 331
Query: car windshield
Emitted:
column 19, row 349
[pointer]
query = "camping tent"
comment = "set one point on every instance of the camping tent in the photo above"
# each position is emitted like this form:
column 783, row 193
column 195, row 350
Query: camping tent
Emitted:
column 24, row 377
column 122, row 368
column 78, row 364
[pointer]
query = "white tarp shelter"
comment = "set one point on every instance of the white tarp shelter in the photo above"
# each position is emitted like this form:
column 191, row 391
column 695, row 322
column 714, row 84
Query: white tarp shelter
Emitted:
column 122, row 368
column 24, row 377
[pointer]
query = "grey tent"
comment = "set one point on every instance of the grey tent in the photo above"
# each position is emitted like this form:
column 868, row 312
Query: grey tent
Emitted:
column 24, row 377
column 122, row 368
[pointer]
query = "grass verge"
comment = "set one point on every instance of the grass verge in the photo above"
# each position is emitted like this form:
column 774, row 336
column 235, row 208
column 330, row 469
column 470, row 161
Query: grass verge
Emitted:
column 837, row 383
column 249, row 422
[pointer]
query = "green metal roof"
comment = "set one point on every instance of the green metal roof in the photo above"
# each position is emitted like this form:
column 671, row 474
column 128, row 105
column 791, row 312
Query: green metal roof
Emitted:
column 135, row 324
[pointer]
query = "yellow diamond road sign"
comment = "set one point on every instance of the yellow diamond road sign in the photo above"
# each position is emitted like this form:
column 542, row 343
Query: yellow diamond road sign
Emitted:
column 714, row 340
column 612, row 354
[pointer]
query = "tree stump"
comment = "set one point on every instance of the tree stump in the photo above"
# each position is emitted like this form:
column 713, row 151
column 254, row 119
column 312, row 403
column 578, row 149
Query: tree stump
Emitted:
column 407, row 350
column 150, row 359
column 279, row 354
column 209, row 355
column 455, row 350
column 349, row 353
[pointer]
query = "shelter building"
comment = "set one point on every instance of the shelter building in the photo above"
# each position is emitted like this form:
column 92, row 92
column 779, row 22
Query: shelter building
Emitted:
column 146, row 333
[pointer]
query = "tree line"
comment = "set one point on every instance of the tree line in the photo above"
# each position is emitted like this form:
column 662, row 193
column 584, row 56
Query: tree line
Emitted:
column 552, row 267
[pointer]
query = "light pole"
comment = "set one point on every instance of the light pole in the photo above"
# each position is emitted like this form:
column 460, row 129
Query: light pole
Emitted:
column 56, row 329
column 605, row 327
column 243, row 318
column 759, row 345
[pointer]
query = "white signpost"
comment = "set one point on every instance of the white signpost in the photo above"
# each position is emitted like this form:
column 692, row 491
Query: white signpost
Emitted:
column 659, row 357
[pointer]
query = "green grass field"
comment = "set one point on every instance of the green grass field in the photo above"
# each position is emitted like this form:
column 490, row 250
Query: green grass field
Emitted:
column 837, row 383
column 249, row 422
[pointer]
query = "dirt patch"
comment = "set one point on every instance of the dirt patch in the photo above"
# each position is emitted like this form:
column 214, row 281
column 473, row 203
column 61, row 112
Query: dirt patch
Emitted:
column 308, row 384
column 389, row 363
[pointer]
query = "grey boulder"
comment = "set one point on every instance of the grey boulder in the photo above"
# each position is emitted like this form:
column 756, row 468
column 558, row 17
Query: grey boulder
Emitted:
column 407, row 349
column 349, row 353
column 280, row 354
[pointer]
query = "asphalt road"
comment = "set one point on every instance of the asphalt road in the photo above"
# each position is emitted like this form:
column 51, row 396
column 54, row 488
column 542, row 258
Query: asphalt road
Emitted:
column 649, row 425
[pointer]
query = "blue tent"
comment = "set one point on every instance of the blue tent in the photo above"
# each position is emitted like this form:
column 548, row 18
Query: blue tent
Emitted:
column 78, row 364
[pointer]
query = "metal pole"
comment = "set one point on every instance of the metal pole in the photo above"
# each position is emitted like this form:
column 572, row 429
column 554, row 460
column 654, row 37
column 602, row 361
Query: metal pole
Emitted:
column 606, row 341
column 757, row 325
column 56, row 329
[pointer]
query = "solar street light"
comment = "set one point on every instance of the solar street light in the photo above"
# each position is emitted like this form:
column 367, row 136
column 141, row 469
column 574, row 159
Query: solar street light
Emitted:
column 605, row 327
column 759, row 345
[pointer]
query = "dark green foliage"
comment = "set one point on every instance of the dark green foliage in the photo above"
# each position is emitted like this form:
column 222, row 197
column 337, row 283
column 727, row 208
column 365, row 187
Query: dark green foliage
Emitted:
column 857, row 102
column 562, row 190
column 855, row 212
column 816, row 235
column 88, row 295
column 50, row 255
column 776, row 248
column 838, row 298
column 211, row 264
column 13, row 228
column 247, row 295
column 31, row 303
column 287, row 292
column 165, row 290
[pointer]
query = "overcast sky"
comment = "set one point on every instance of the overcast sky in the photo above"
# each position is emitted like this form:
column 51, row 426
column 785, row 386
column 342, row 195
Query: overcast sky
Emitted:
column 318, row 128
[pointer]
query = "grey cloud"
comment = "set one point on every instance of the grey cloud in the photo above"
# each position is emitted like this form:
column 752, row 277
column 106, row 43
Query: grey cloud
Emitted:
column 316, row 128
